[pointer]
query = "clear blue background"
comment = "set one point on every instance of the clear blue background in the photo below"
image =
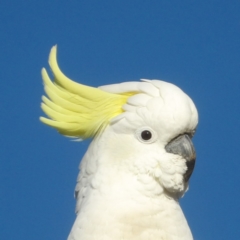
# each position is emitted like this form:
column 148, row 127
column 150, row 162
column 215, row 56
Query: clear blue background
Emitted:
column 192, row 43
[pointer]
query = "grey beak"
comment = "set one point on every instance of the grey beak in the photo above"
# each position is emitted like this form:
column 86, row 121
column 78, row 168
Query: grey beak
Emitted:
column 183, row 146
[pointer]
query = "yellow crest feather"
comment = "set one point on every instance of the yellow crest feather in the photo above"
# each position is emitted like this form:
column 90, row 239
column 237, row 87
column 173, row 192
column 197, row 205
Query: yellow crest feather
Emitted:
column 77, row 110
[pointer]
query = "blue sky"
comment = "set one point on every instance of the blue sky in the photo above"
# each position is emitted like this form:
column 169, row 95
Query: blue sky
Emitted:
column 193, row 44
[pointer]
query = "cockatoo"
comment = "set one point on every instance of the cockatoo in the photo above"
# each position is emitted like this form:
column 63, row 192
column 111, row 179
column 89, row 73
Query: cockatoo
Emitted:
column 139, row 162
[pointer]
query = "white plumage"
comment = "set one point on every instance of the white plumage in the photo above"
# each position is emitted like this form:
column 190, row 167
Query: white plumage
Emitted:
column 129, row 183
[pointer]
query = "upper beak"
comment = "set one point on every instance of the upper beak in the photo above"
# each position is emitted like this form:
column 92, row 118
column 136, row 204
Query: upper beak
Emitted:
column 183, row 146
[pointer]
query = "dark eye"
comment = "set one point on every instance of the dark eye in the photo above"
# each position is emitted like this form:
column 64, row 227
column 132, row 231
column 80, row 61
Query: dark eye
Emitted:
column 146, row 135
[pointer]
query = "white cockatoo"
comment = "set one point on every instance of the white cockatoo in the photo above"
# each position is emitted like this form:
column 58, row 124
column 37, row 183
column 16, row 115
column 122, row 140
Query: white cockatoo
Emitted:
column 140, row 159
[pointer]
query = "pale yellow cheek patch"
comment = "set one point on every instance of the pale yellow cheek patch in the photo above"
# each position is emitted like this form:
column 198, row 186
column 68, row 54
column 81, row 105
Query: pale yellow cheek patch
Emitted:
column 77, row 110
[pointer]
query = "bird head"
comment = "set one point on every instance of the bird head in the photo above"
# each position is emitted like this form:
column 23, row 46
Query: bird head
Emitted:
column 145, row 127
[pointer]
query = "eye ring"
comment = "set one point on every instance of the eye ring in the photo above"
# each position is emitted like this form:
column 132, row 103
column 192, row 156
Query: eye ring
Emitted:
column 146, row 135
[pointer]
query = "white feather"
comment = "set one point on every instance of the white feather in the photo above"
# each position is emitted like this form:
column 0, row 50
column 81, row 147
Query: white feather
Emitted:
column 124, row 184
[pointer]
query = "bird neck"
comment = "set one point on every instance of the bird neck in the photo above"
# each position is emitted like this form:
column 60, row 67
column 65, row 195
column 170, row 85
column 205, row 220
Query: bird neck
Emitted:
column 124, row 204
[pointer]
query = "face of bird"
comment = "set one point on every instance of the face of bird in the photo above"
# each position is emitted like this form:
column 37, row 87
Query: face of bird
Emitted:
column 154, row 141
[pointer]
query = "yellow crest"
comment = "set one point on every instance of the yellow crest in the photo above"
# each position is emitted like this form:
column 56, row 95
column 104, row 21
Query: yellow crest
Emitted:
column 77, row 110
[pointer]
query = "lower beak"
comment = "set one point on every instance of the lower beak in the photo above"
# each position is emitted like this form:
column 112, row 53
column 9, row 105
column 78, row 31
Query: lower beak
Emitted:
column 183, row 146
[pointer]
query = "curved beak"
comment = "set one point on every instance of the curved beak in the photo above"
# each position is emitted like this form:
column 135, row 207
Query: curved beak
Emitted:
column 183, row 146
